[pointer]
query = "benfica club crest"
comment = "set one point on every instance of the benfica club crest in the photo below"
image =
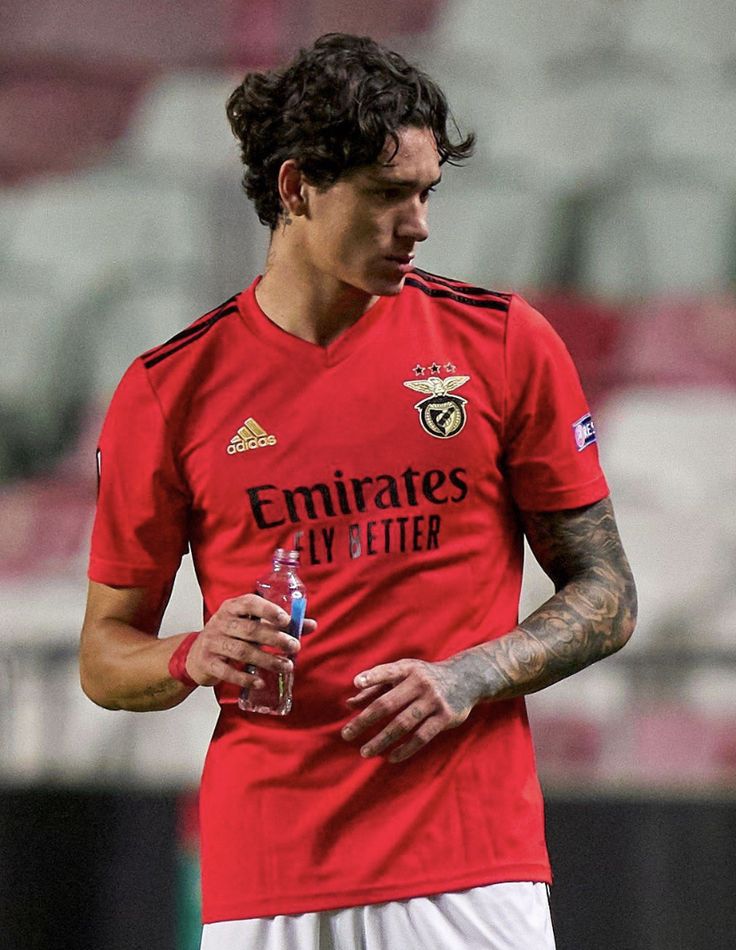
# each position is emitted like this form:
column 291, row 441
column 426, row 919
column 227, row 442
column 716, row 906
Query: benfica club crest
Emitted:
column 440, row 414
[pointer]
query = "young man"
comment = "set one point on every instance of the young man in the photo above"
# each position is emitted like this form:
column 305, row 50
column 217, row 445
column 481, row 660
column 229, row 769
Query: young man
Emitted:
column 409, row 429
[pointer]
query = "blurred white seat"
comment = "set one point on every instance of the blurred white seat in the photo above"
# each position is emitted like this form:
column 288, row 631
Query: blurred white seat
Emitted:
column 536, row 587
column 600, row 692
column 491, row 232
column 493, row 61
column 639, row 236
column 678, row 562
column 706, row 111
column 711, row 689
column 671, row 446
column 525, row 33
column 719, row 620
column 622, row 236
column 45, row 376
column 29, row 331
column 181, row 126
column 670, row 458
column 591, row 113
column 80, row 229
column 11, row 210
column 184, row 611
column 72, row 739
column 688, row 36
column 169, row 747
column 119, row 262
column 579, row 133
column 73, row 231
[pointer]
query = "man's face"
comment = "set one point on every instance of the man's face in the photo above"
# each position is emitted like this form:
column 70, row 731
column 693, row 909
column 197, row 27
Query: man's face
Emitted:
column 362, row 231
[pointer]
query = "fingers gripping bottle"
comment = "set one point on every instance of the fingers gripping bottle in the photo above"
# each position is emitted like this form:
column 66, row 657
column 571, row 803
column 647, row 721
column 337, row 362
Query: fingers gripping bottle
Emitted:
column 281, row 586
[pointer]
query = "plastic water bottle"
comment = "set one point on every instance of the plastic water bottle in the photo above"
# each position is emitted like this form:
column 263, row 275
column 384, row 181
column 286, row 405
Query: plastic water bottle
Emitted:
column 281, row 586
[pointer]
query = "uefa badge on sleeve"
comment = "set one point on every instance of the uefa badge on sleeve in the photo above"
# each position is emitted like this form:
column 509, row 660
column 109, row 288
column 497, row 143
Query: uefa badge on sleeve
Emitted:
column 584, row 432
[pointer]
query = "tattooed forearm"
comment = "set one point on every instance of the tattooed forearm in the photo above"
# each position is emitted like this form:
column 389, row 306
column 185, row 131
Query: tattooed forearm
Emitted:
column 591, row 616
column 161, row 695
column 158, row 696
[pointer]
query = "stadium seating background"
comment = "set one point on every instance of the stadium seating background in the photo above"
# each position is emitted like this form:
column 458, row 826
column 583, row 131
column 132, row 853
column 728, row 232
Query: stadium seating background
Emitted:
column 604, row 188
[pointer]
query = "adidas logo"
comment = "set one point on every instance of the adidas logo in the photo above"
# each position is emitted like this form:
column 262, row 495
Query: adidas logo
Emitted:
column 250, row 436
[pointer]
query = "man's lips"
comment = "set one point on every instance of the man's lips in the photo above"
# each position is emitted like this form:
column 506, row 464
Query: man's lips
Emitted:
column 404, row 262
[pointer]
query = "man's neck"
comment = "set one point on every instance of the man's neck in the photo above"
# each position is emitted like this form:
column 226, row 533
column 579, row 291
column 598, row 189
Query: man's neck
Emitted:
column 308, row 304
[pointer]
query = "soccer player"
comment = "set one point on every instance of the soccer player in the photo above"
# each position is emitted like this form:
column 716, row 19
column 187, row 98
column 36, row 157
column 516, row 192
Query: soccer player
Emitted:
column 408, row 429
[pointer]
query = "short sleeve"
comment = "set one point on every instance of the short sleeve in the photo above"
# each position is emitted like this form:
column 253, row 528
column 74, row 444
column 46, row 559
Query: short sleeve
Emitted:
column 550, row 448
column 140, row 529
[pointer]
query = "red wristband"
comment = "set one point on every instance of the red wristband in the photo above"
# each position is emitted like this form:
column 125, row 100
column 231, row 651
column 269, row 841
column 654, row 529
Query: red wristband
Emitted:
column 178, row 661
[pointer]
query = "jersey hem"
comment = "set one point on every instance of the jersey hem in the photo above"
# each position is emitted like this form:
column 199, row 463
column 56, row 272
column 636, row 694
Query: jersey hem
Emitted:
column 558, row 499
column 116, row 574
column 305, row 903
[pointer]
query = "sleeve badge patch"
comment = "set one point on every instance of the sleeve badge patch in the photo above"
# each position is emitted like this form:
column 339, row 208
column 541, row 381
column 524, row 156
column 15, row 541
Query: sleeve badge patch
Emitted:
column 584, row 432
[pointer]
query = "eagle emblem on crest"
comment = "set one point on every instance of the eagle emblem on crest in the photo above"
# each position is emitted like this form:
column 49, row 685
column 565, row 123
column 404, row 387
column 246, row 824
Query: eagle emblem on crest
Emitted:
column 440, row 414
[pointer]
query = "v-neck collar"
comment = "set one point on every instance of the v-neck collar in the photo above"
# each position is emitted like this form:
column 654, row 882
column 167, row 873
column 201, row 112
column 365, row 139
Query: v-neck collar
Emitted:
column 339, row 349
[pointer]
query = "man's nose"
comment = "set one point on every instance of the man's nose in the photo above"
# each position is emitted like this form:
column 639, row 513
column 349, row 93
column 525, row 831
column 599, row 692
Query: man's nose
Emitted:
column 414, row 223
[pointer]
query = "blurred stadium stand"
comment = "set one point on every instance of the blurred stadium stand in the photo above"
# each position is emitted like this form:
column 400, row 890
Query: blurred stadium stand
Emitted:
column 604, row 188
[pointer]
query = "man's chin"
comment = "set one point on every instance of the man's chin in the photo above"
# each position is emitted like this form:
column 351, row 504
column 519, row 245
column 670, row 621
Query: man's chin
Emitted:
column 388, row 288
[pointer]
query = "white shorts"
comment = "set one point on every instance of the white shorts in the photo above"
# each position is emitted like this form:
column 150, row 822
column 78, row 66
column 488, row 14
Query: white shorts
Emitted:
column 513, row 916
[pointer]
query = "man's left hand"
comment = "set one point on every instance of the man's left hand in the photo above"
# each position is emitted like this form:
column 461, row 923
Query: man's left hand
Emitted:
column 419, row 699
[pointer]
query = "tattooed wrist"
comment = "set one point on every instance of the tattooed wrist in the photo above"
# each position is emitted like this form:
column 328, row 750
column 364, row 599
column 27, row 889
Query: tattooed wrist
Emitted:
column 465, row 679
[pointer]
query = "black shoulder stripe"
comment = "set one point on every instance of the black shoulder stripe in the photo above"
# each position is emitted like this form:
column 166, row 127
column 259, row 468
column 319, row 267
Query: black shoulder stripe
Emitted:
column 468, row 289
column 183, row 339
column 487, row 303
column 190, row 330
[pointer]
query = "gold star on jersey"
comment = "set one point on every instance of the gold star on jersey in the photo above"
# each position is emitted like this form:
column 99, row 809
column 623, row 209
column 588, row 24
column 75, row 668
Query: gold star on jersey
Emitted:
column 440, row 414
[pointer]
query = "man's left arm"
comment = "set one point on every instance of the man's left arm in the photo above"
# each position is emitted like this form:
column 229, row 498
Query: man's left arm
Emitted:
column 591, row 615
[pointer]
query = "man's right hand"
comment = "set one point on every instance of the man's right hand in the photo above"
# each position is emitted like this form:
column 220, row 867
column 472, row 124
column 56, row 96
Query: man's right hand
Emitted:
column 124, row 665
column 246, row 631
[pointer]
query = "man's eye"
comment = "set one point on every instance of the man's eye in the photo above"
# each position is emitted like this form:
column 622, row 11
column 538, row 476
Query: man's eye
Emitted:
column 428, row 192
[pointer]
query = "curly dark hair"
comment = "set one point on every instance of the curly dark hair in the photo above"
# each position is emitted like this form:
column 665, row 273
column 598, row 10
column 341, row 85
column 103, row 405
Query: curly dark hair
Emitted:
column 331, row 109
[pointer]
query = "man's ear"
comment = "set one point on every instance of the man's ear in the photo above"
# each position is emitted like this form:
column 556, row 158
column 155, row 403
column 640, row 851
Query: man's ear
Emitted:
column 292, row 190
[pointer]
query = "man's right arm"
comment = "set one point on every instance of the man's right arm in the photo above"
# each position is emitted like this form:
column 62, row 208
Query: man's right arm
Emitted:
column 125, row 665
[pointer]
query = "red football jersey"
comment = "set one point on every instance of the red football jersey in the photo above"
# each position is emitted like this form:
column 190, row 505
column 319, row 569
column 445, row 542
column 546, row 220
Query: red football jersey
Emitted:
column 399, row 457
